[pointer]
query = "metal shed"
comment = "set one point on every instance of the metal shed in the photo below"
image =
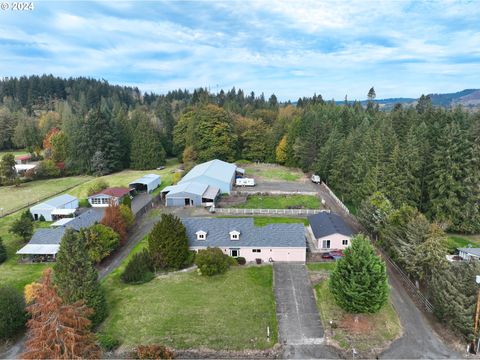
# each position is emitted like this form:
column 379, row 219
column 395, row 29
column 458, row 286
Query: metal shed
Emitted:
column 190, row 194
column 46, row 208
column 146, row 183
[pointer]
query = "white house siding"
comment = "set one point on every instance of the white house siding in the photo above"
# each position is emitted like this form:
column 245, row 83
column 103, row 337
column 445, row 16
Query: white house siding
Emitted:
column 102, row 200
column 267, row 254
column 335, row 242
column 46, row 210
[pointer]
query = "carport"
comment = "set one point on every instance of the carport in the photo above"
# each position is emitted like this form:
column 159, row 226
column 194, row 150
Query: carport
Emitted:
column 146, row 183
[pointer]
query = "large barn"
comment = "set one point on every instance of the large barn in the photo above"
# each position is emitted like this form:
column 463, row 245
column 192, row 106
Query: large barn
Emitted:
column 215, row 173
column 190, row 194
column 57, row 207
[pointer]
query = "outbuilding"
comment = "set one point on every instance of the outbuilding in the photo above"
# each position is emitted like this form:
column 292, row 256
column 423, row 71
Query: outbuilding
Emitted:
column 190, row 194
column 216, row 173
column 146, row 183
column 239, row 237
column 51, row 208
column 330, row 231
column 110, row 195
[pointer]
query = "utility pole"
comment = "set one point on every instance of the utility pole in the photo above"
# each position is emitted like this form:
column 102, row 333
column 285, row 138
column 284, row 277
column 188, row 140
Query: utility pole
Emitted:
column 477, row 314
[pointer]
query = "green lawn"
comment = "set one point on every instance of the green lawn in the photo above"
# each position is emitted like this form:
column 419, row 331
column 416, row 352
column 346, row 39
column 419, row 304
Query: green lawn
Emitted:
column 186, row 310
column 455, row 241
column 372, row 330
column 281, row 202
column 265, row 220
column 16, row 152
column 11, row 272
column 273, row 172
column 322, row 266
column 13, row 197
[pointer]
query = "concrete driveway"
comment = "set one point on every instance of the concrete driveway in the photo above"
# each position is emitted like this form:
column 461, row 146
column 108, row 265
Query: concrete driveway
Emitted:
column 299, row 325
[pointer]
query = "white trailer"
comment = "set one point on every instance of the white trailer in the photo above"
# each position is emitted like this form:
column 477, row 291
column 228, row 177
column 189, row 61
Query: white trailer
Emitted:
column 245, row 182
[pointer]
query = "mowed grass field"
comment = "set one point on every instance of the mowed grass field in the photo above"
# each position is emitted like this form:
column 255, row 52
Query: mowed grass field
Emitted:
column 266, row 220
column 17, row 152
column 455, row 241
column 186, row 310
column 281, row 202
column 14, row 197
column 273, row 172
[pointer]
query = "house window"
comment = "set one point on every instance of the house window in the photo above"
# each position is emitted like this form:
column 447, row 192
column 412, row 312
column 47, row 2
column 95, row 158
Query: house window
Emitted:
column 256, row 250
column 326, row 244
column 234, row 235
column 201, row 235
column 345, row 242
column 234, row 253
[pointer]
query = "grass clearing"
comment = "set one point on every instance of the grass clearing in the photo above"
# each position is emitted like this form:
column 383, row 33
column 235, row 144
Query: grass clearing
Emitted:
column 265, row 220
column 322, row 266
column 14, row 197
column 455, row 241
column 16, row 152
column 370, row 332
column 281, row 202
column 273, row 172
column 186, row 310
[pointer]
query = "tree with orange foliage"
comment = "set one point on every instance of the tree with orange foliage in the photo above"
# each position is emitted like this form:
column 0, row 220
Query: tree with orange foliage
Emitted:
column 58, row 331
column 113, row 218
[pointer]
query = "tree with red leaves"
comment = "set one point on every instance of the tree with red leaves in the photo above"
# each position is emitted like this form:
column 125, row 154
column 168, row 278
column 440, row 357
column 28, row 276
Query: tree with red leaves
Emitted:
column 56, row 330
column 113, row 218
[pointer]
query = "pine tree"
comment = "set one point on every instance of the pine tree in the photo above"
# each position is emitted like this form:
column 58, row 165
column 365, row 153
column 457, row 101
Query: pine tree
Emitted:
column 280, row 151
column 359, row 281
column 23, row 226
column 168, row 243
column 76, row 278
column 7, row 167
column 12, row 312
column 56, row 330
column 147, row 150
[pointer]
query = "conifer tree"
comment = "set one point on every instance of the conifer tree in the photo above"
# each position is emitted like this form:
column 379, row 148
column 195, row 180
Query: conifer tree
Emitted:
column 23, row 226
column 57, row 330
column 76, row 278
column 147, row 150
column 168, row 243
column 359, row 281
column 3, row 251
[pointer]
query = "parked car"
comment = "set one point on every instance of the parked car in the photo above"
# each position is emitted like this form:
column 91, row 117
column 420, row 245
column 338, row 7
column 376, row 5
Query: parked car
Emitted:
column 245, row 182
column 161, row 168
column 327, row 256
column 316, row 179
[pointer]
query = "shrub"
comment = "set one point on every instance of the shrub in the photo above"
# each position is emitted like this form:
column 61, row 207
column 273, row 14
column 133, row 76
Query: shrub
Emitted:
column 23, row 226
column 241, row 260
column 30, row 291
column 97, row 186
column 176, row 177
column 154, row 352
column 212, row 261
column 100, row 241
column 47, row 169
column 42, row 218
column 139, row 269
column 107, row 341
column 12, row 312
column 127, row 201
column 127, row 215
column 190, row 258
column 3, row 251
column 359, row 281
column 84, row 203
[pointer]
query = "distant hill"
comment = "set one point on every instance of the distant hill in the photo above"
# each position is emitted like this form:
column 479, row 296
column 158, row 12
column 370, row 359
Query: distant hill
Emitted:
column 468, row 98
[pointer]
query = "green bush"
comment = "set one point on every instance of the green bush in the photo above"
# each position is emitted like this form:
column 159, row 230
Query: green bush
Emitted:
column 84, row 203
column 139, row 269
column 212, row 261
column 47, row 169
column 100, row 241
column 127, row 215
column 42, row 218
column 107, row 341
column 3, row 251
column 241, row 260
column 12, row 312
column 190, row 258
column 127, row 201
column 97, row 186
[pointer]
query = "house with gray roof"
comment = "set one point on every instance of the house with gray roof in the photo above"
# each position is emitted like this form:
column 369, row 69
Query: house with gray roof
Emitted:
column 58, row 206
column 469, row 253
column 46, row 242
column 239, row 237
column 330, row 231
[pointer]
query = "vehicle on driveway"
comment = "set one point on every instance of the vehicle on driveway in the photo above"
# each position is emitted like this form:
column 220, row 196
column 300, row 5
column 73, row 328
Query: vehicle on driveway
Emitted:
column 316, row 179
column 245, row 182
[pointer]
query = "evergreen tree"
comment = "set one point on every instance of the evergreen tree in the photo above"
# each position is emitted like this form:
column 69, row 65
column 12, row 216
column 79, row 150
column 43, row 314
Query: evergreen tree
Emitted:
column 280, row 151
column 76, row 278
column 359, row 281
column 100, row 241
column 374, row 211
column 168, row 243
column 147, row 151
column 7, row 167
column 3, row 251
column 57, row 330
column 23, row 226
column 12, row 312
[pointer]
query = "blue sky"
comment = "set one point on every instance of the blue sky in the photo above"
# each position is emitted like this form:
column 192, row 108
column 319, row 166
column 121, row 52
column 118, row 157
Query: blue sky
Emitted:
column 292, row 49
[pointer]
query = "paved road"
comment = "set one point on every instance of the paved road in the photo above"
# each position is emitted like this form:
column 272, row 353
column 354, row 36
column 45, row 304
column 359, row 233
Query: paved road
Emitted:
column 419, row 340
column 299, row 325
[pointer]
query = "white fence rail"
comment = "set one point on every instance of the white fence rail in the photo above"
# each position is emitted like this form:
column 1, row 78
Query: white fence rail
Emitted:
column 237, row 211
column 337, row 200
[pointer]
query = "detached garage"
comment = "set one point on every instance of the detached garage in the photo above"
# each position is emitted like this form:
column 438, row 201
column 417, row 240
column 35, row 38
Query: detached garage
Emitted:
column 190, row 194
column 146, row 183
column 55, row 208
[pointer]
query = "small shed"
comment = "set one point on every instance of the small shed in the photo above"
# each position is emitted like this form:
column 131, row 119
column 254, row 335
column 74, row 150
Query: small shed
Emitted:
column 331, row 232
column 104, row 197
column 146, row 183
column 469, row 253
column 48, row 208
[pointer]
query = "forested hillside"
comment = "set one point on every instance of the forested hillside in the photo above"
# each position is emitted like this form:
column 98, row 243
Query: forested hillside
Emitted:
column 423, row 156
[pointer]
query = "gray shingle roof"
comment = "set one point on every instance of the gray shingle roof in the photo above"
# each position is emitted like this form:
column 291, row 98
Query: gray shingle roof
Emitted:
column 47, row 236
column 218, row 229
column 86, row 219
column 471, row 251
column 328, row 223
